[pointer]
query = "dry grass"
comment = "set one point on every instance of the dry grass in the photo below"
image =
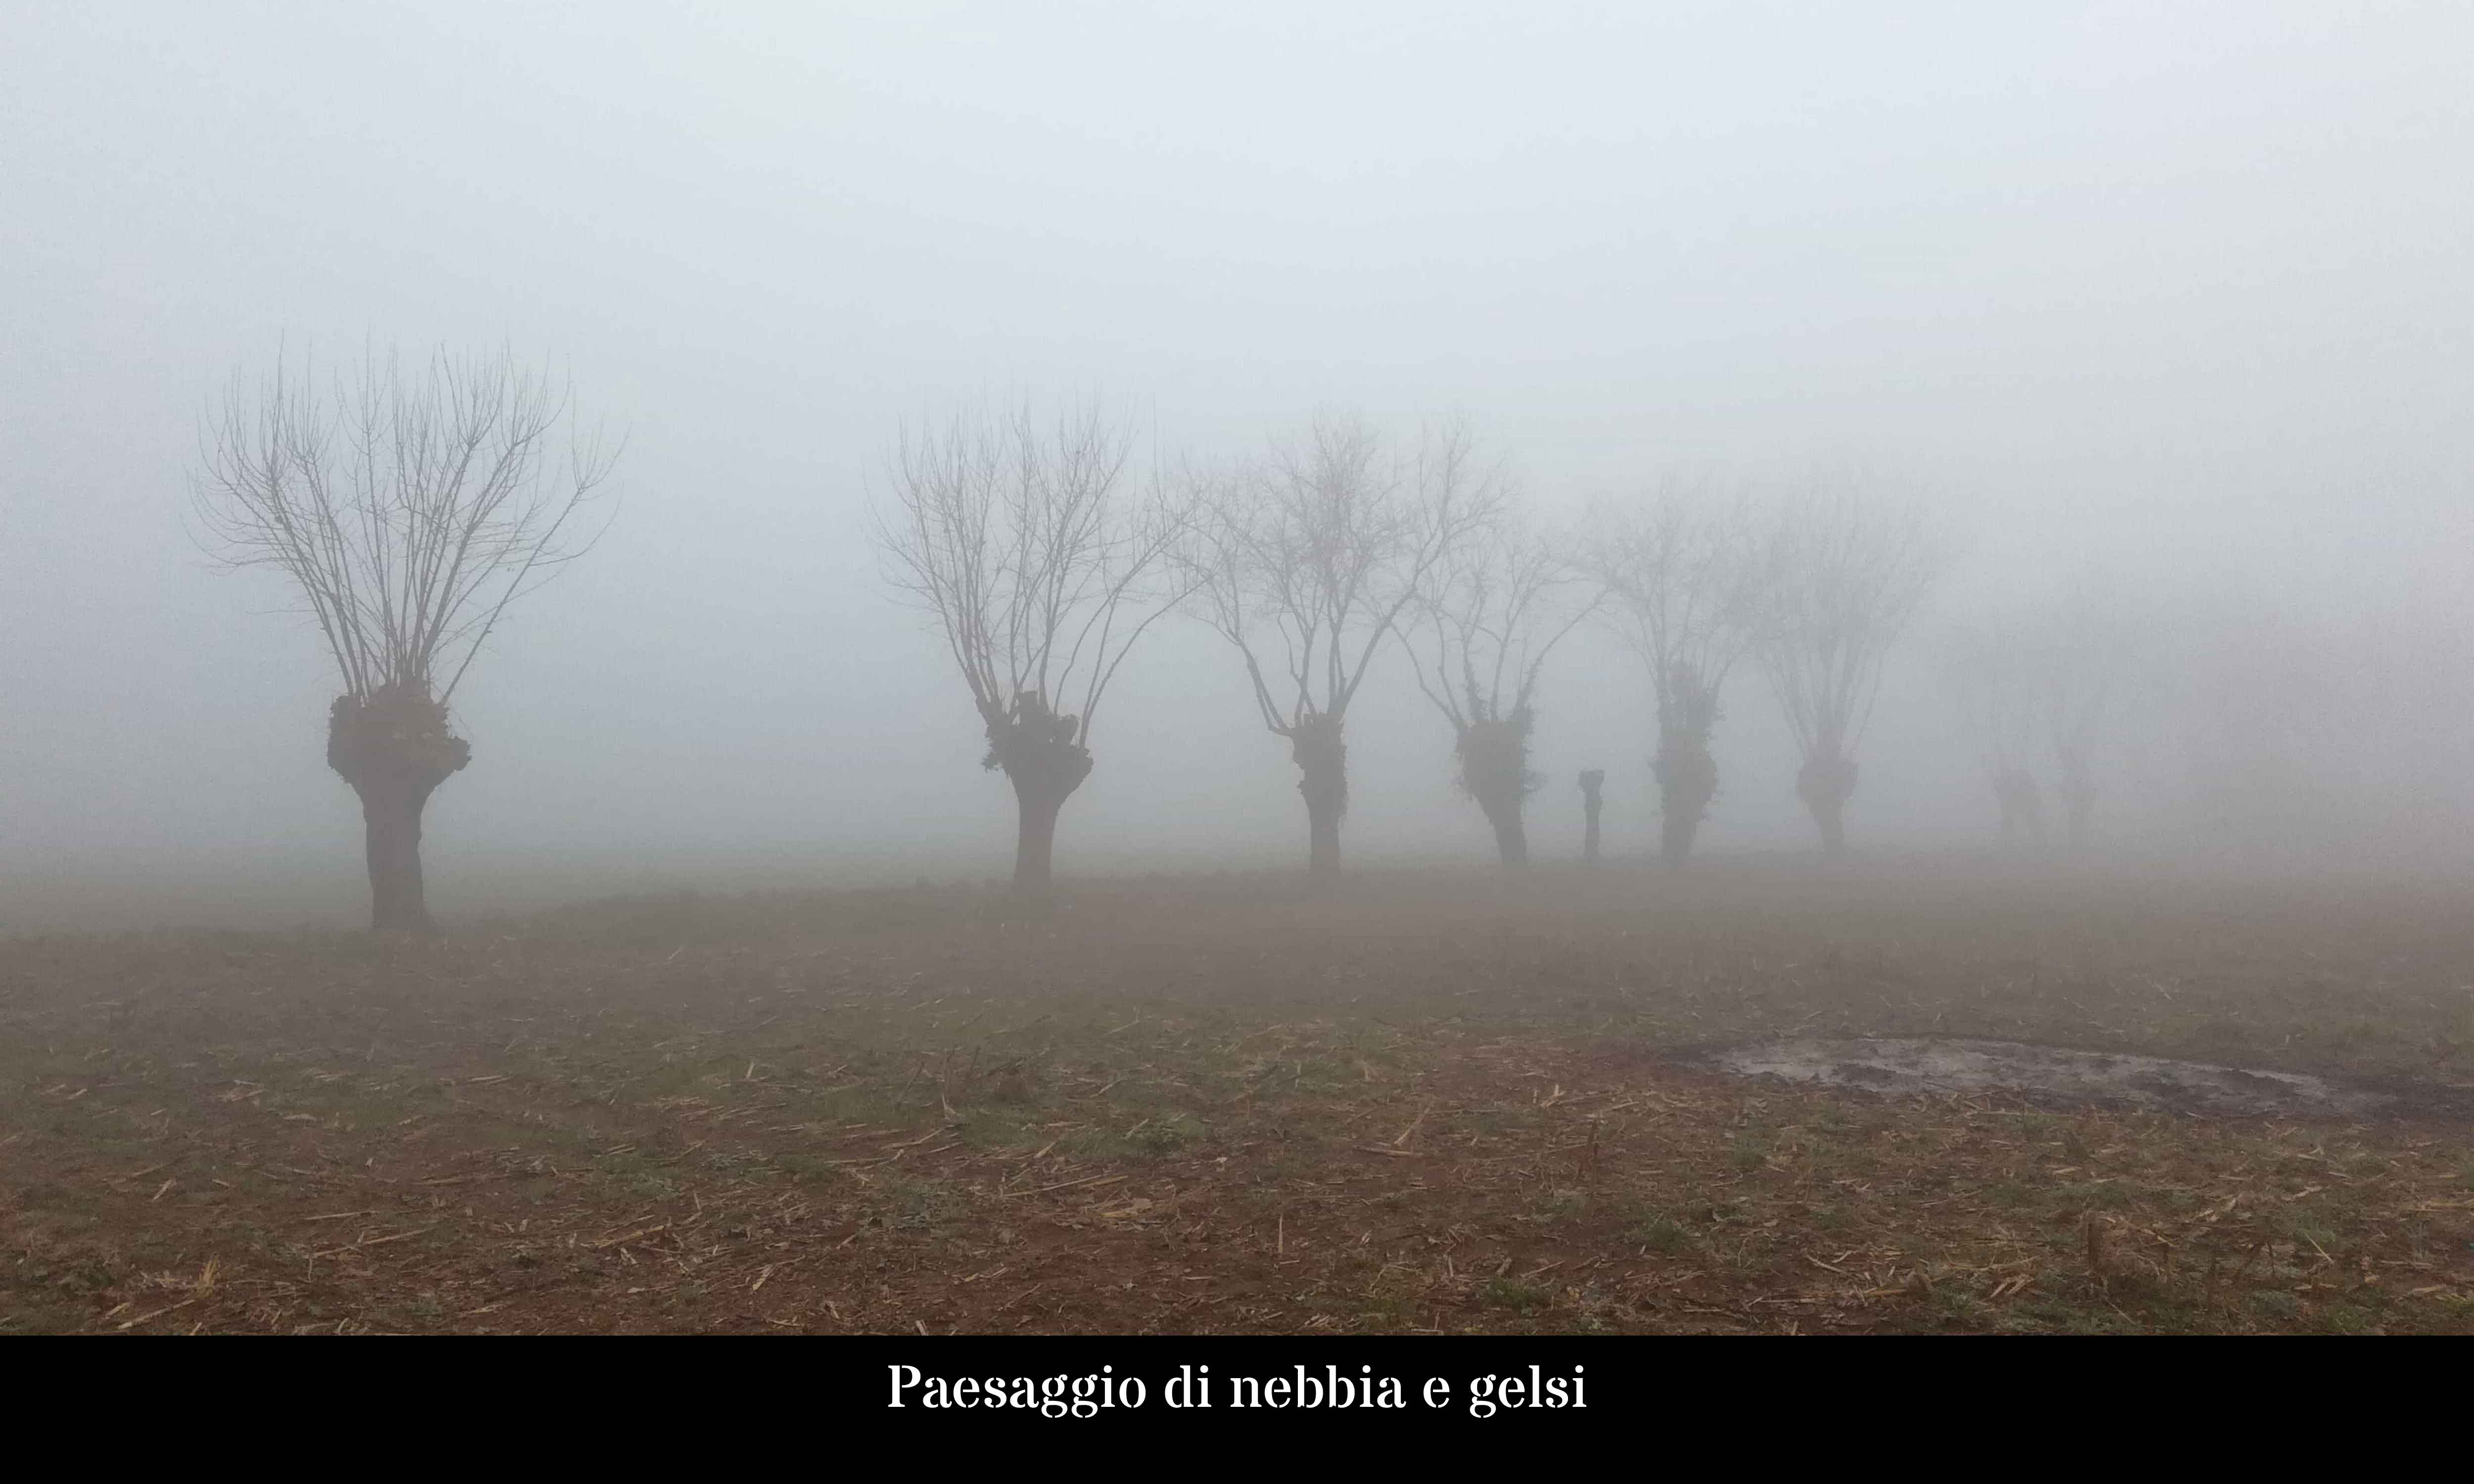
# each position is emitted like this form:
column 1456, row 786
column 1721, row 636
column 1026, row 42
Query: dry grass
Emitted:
column 1431, row 1102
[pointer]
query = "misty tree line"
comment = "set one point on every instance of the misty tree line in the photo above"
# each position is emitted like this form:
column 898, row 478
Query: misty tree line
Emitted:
column 1341, row 548
column 2035, row 687
column 411, row 503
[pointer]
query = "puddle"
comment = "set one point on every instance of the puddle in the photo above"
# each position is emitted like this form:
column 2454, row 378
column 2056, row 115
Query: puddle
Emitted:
column 2054, row 1073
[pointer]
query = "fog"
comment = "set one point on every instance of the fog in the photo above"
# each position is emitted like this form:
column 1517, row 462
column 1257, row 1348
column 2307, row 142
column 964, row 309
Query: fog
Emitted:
column 2179, row 295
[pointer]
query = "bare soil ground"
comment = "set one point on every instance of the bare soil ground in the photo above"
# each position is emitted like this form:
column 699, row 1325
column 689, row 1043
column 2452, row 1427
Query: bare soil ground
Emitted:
column 1425, row 1102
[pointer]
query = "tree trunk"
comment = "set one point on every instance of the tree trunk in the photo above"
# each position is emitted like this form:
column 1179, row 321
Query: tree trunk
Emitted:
column 1510, row 833
column 1593, row 782
column 1687, row 779
column 1826, row 782
column 1034, row 846
column 391, row 822
column 1832, row 816
column 2078, row 798
column 394, row 747
column 1675, row 833
column 1322, row 766
column 2023, row 807
column 1494, row 769
column 1322, row 835
column 1040, row 751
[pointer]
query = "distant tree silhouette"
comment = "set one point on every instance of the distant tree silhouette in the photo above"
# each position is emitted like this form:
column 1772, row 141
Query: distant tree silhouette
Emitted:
column 1306, row 557
column 1042, row 573
column 1593, row 782
column 2093, row 650
column 1851, row 569
column 1686, row 581
column 1481, row 629
column 410, row 504
column 2050, row 677
column 1995, row 673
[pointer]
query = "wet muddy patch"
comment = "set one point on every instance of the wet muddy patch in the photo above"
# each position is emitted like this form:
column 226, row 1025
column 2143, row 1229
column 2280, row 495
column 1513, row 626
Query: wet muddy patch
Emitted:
column 2054, row 1074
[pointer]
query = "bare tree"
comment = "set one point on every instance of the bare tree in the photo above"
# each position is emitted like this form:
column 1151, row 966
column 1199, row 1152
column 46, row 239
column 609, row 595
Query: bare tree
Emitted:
column 1685, row 579
column 2048, row 678
column 1481, row 631
column 2091, row 655
column 1040, row 571
column 1306, row 559
column 410, row 504
column 1996, row 674
column 1851, row 569
column 1593, row 782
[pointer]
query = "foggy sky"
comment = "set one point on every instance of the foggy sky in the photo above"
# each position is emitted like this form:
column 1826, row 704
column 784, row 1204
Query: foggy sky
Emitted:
column 2181, row 290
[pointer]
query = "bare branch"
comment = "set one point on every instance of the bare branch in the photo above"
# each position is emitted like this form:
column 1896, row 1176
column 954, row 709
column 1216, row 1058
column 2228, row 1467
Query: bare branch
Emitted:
column 1483, row 626
column 409, row 507
column 1686, row 583
column 1312, row 553
column 1018, row 539
column 1851, row 571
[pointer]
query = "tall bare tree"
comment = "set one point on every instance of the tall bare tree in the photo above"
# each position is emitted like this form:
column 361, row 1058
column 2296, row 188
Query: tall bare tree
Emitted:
column 409, row 503
column 2091, row 652
column 1042, row 571
column 1851, row 569
column 1306, row 557
column 1685, row 582
column 1594, row 783
column 1481, row 631
column 1996, row 673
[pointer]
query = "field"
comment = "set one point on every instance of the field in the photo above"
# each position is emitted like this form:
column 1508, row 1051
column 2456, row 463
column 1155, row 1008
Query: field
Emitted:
column 1422, row 1102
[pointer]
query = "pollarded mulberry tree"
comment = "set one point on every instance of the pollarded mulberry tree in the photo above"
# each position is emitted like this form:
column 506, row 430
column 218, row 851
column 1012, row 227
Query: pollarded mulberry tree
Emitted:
column 1481, row 632
column 409, row 504
column 2093, row 652
column 1993, row 673
column 1846, row 571
column 1306, row 559
column 1685, row 582
column 1042, row 571
column 2052, row 677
